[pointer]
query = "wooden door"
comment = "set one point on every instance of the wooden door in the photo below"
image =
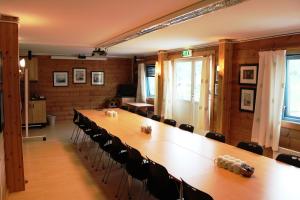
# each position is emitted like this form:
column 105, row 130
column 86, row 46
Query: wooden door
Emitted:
column 39, row 112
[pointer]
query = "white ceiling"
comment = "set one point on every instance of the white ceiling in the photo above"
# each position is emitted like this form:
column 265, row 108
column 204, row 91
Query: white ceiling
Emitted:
column 73, row 26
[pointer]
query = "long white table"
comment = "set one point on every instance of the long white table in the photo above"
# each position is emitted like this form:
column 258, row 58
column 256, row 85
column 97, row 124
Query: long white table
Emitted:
column 191, row 157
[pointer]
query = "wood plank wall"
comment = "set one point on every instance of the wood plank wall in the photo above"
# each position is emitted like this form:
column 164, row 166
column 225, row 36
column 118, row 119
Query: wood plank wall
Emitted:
column 12, row 115
column 245, row 53
column 61, row 100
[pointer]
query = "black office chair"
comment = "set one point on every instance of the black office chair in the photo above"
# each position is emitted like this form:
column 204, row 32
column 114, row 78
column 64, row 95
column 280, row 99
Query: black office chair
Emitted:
column 160, row 184
column 191, row 193
column 136, row 167
column 187, row 127
column 289, row 159
column 252, row 147
column 117, row 153
column 156, row 118
column 170, row 122
column 104, row 140
column 131, row 109
column 216, row 136
column 124, row 108
column 75, row 121
column 141, row 113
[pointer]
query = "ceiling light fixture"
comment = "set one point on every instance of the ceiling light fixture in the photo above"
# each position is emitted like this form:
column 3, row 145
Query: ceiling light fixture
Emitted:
column 176, row 20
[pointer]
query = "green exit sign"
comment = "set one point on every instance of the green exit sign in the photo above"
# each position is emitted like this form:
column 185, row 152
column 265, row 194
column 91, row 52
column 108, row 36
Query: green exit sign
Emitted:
column 186, row 53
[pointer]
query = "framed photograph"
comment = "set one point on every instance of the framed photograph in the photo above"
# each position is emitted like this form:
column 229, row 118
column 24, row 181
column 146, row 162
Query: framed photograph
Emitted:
column 79, row 75
column 248, row 74
column 60, row 79
column 97, row 78
column 247, row 101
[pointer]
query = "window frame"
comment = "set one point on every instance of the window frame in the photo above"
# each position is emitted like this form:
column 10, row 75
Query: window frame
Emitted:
column 285, row 116
column 147, row 82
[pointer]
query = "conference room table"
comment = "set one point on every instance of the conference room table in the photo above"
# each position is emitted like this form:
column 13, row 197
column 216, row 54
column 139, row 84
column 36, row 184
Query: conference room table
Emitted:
column 191, row 157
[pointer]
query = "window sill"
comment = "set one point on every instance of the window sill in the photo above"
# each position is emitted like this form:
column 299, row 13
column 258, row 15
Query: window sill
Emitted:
column 290, row 125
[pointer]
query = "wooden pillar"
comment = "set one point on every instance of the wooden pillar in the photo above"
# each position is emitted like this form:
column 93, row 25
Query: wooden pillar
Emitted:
column 11, row 96
column 225, row 74
column 162, row 56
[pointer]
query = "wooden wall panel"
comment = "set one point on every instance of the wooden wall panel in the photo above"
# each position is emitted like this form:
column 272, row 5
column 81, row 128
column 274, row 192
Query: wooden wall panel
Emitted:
column 12, row 113
column 247, row 53
column 61, row 100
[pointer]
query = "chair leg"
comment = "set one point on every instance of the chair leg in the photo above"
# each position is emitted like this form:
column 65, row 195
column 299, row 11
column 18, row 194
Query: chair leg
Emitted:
column 74, row 130
column 109, row 169
column 82, row 142
column 99, row 161
column 106, row 170
column 77, row 136
column 124, row 188
column 89, row 150
column 119, row 186
column 96, row 155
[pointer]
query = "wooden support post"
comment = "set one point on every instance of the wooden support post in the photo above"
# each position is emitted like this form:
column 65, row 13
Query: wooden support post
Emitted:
column 225, row 73
column 162, row 56
column 12, row 103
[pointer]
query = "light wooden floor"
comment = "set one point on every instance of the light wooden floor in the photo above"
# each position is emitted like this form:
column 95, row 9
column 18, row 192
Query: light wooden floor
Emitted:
column 56, row 170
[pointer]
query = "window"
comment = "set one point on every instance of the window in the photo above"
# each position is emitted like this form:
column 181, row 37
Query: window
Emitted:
column 150, row 80
column 183, row 81
column 292, row 89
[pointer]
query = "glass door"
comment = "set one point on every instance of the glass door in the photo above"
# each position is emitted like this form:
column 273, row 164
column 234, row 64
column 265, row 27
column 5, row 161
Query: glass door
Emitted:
column 187, row 82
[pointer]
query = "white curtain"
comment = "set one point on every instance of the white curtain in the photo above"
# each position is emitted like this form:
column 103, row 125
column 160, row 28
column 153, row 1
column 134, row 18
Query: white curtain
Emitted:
column 167, row 105
column 156, row 88
column 269, row 98
column 141, row 87
column 203, row 123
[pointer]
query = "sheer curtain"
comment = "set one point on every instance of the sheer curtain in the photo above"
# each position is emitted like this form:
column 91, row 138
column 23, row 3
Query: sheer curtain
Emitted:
column 203, row 122
column 157, row 67
column 269, row 98
column 167, row 105
column 141, row 87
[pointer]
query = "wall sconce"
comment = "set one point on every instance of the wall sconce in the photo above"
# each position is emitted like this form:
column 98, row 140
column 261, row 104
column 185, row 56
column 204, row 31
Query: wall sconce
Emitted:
column 22, row 63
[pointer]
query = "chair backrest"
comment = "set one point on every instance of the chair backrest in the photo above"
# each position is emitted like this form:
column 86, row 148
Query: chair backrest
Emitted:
column 130, row 109
column 191, row 193
column 216, row 136
column 124, row 107
column 134, row 164
column 116, row 146
column 171, row 122
column 158, row 180
column 289, row 159
column 75, row 117
column 156, row 118
column 252, row 147
column 141, row 113
column 187, row 127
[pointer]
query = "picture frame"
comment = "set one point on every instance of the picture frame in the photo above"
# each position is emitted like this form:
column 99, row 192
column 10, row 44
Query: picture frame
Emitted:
column 60, row 79
column 79, row 75
column 248, row 74
column 247, row 99
column 97, row 78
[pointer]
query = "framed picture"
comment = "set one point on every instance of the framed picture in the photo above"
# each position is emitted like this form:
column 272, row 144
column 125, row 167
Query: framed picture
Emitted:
column 97, row 78
column 79, row 75
column 247, row 101
column 60, row 79
column 248, row 74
